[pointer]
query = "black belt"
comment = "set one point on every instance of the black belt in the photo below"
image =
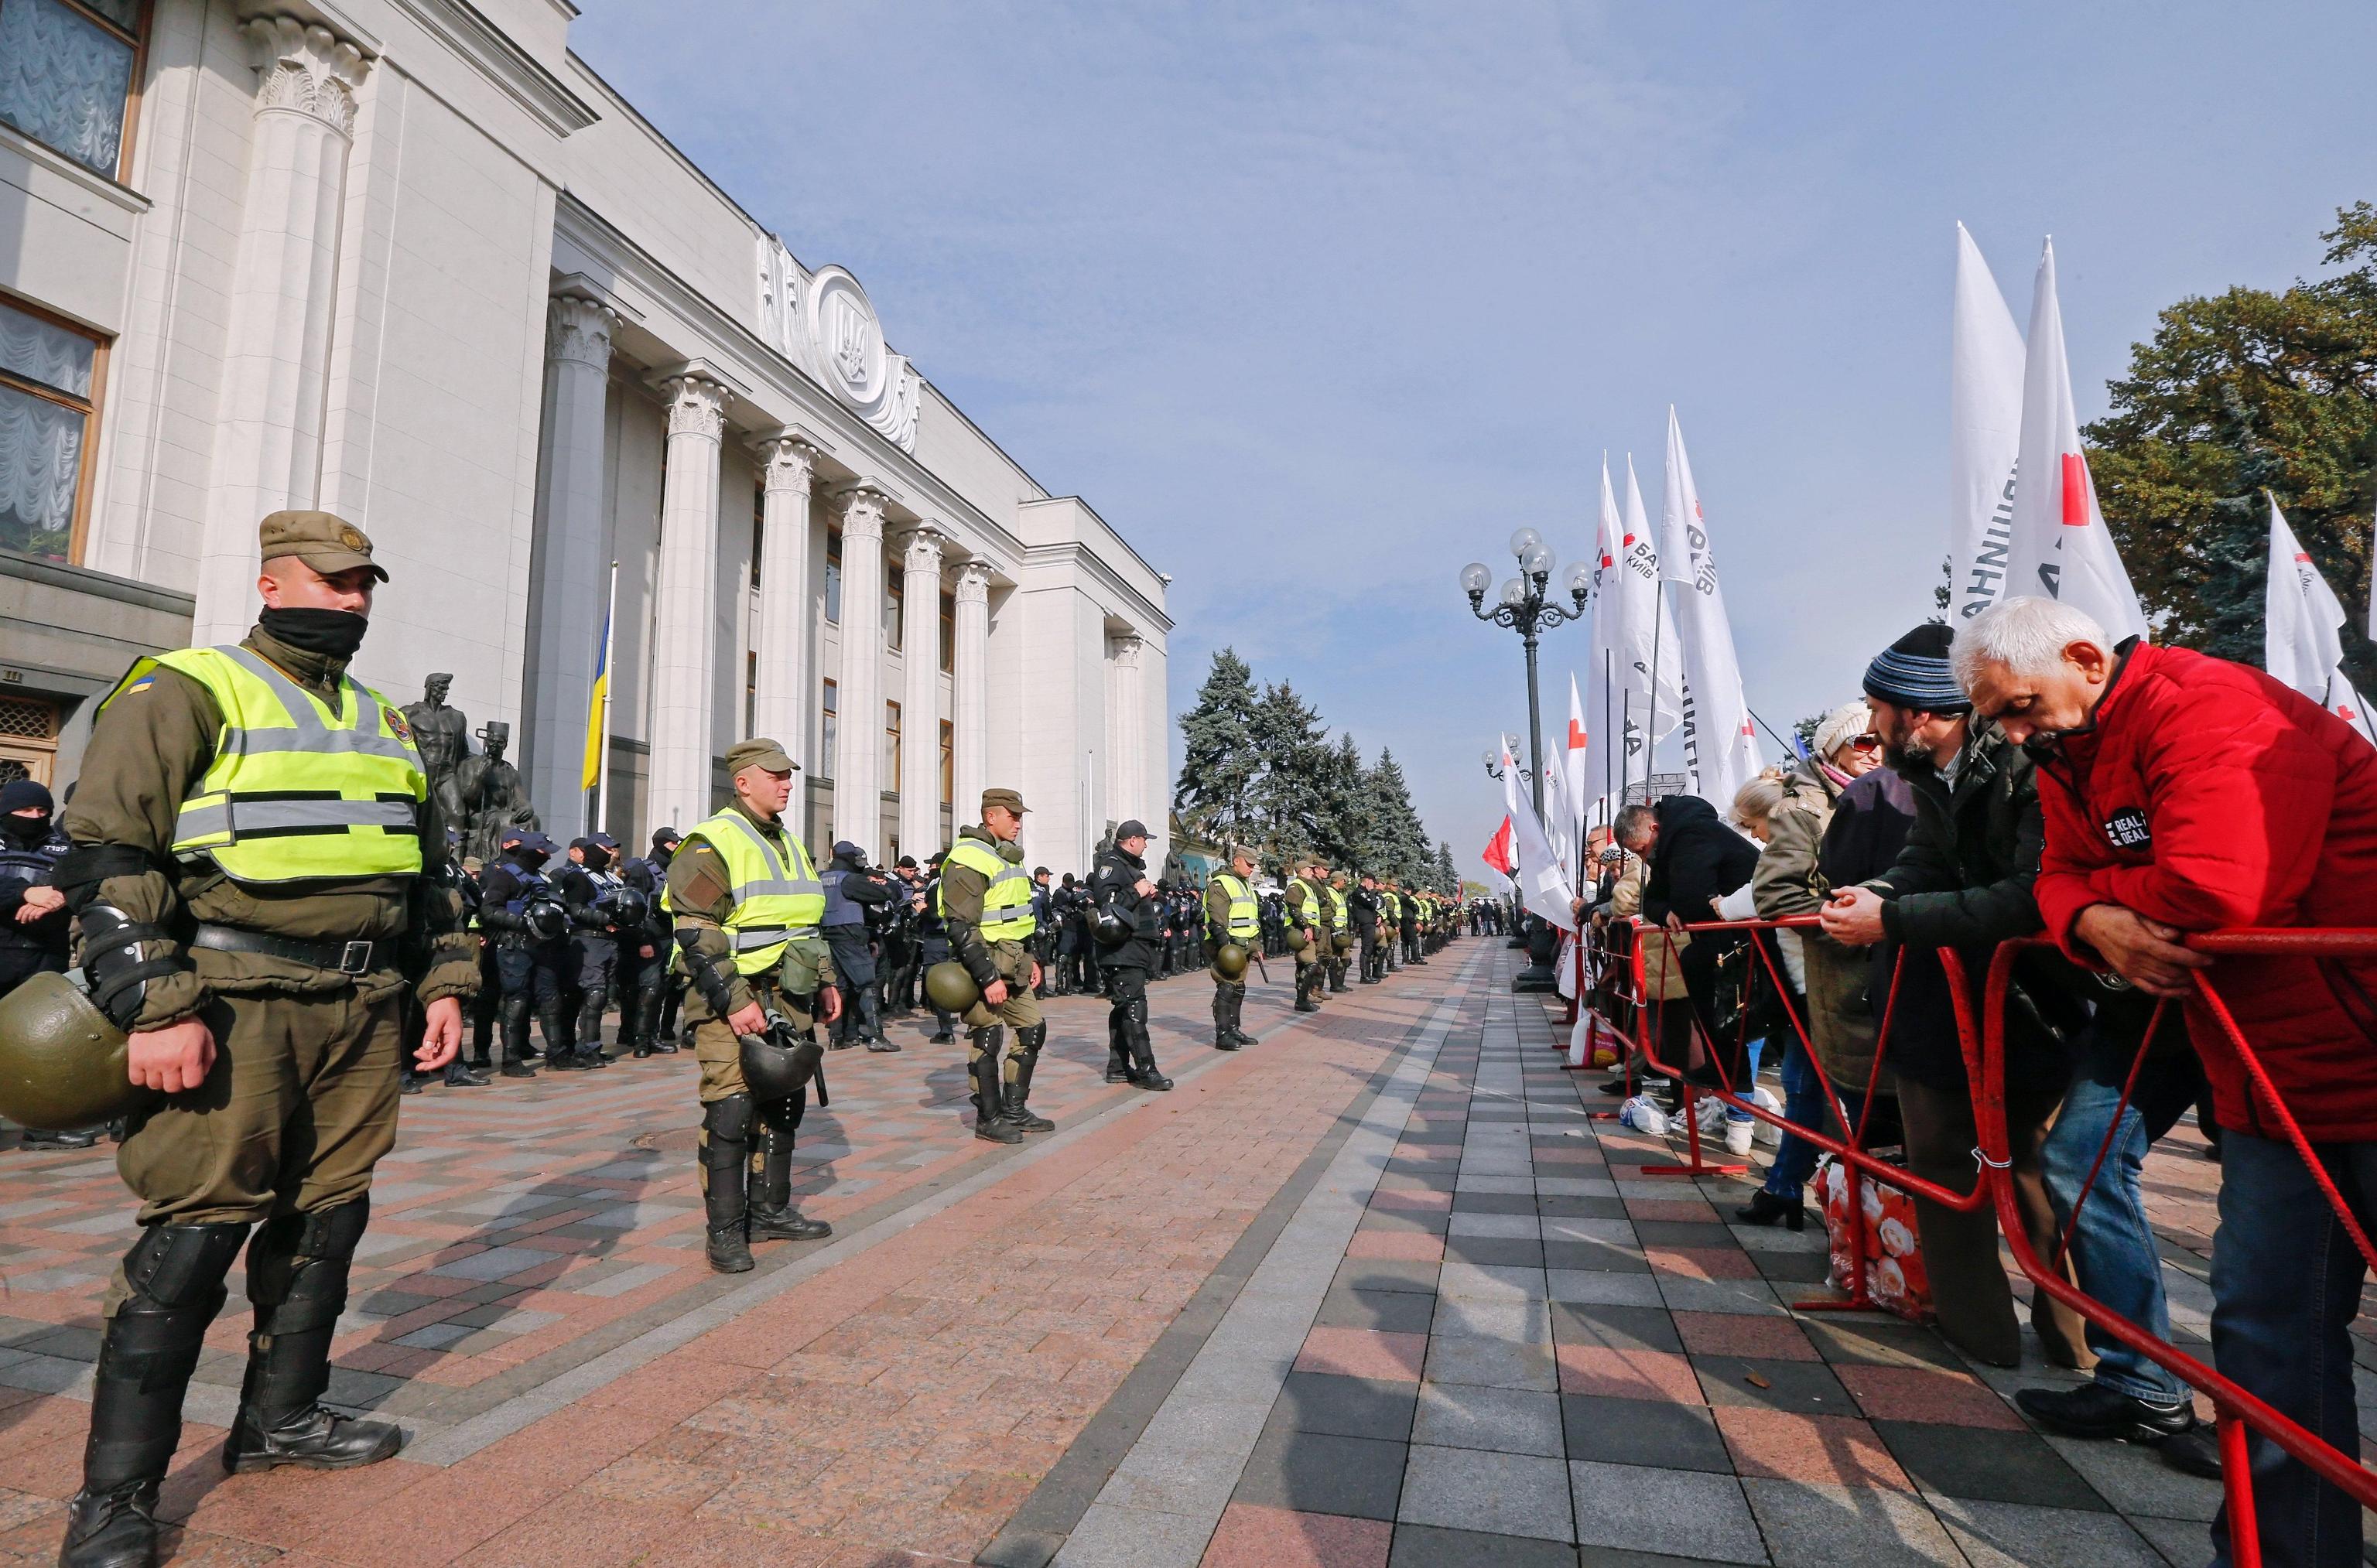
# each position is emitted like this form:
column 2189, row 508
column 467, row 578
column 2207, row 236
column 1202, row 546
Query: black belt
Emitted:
column 346, row 957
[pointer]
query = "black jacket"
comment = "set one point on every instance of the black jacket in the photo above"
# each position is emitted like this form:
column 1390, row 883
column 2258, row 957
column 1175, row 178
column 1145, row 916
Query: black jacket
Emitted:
column 1698, row 858
column 1114, row 890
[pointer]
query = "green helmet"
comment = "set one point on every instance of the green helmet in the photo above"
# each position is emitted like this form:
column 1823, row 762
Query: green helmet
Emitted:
column 1299, row 939
column 61, row 1061
column 1230, row 961
column 1341, row 943
column 952, row 989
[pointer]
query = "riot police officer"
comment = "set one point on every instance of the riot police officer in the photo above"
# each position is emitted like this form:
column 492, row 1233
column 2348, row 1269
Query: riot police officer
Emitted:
column 1365, row 902
column 522, row 912
column 256, row 972
column 745, row 904
column 644, row 975
column 34, row 925
column 853, row 893
column 985, row 904
column 603, row 911
column 1231, row 919
column 1130, row 921
column 932, row 946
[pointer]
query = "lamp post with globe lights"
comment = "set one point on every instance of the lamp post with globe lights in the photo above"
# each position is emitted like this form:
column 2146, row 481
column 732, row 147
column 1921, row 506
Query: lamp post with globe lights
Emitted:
column 1524, row 610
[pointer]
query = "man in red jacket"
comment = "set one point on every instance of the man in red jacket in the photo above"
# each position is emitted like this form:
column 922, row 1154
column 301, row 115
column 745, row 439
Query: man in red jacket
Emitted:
column 2185, row 793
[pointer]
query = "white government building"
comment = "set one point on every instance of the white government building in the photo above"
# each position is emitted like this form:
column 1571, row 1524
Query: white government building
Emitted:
column 412, row 261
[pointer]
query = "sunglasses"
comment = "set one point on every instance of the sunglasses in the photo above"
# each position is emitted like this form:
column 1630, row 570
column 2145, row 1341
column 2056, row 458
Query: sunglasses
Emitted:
column 1867, row 742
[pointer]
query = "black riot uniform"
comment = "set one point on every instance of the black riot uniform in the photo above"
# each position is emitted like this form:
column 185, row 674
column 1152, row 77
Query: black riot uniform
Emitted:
column 933, row 947
column 604, row 913
column 30, row 848
column 522, row 913
column 643, row 974
column 1367, row 906
column 1138, row 920
column 852, row 892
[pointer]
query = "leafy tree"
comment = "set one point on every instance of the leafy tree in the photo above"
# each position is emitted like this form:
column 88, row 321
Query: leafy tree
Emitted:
column 1218, row 759
column 2241, row 391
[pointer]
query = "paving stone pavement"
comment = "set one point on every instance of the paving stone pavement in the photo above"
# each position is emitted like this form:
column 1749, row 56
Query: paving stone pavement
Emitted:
column 1377, row 1291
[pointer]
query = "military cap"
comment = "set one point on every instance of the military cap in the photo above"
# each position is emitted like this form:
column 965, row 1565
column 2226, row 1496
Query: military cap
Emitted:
column 758, row 752
column 1245, row 852
column 324, row 540
column 1133, row 828
column 1010, row 799
column 602, row 841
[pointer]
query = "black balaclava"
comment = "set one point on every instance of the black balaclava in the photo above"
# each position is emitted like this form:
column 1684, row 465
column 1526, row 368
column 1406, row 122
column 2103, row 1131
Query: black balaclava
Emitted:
column 334, row 634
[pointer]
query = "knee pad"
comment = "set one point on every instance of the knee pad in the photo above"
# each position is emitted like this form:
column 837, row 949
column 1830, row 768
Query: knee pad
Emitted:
column 1030, row 1039
column 183, row 1266
column 728, row 1120
column 782, row 1117
column 297, row 1266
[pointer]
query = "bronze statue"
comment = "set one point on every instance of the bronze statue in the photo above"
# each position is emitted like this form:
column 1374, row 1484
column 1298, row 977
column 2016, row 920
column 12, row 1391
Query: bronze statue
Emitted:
column 493, row 792
column 442, row 735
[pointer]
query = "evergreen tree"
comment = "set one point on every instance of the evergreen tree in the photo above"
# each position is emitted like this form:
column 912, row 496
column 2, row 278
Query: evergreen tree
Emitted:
column 1219, row 760
column 1447, row 878
column 1287, row 795
column 1344, row 832
column 1399, row 844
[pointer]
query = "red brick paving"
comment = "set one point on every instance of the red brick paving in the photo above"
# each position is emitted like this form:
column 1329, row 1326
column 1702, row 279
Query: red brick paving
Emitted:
column 903, row 1401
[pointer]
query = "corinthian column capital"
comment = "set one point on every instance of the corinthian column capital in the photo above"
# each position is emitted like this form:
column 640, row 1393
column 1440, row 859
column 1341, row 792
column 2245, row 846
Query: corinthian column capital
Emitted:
column 578, row 330
column 862, row 512
column 786, row 462
column 920, row 551
column 697, row 406
column 1127, row 650
column 308, row 69
column 974, row 583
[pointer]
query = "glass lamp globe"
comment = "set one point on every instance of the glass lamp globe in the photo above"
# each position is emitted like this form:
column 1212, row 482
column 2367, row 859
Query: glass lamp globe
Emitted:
column 1475, row 580
column 1524, row 540
column 1490, row 757
column 1537, row 562
column 1514, row 593
column 1579, row 578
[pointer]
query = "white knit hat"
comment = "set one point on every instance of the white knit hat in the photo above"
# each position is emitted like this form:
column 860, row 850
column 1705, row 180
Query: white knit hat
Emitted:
column 1841, row 726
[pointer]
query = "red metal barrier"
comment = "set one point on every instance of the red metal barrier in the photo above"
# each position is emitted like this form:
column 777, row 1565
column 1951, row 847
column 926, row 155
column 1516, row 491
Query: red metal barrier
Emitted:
column 2236, row 1409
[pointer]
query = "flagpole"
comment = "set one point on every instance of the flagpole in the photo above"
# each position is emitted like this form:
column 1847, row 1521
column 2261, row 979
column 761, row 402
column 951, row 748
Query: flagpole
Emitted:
column 1789, row 749
column 1651, row 730
column 1609, row 752
column 602, row 720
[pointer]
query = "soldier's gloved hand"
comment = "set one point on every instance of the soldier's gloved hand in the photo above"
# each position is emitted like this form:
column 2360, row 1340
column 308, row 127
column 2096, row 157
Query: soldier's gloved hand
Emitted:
column 172, row 1059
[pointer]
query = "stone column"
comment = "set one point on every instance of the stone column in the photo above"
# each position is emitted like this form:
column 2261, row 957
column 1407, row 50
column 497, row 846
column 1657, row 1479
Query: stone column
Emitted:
column 568, row 594
column 970, row 699
column 858, row 739
column 786, row 672
column 920, row 706
column 1126, row 736
column 683, row 678
column 268, row 440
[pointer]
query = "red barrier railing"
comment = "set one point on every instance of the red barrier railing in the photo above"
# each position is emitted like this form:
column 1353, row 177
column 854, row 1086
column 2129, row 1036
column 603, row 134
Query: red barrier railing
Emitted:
column 2235, row 1409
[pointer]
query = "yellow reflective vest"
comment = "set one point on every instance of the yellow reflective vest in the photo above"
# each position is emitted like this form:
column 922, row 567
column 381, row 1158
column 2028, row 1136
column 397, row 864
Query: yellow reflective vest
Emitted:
column 296, row 789
column 1005, row 902
column 774, row 900
column 1246, row 918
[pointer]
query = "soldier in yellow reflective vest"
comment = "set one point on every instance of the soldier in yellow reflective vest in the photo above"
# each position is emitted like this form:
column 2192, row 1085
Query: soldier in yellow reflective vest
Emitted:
column 1232, row 915
column 745, row 904
column 1308, row 912
column 986, row 902
column 1340, row 923
column 254, row 848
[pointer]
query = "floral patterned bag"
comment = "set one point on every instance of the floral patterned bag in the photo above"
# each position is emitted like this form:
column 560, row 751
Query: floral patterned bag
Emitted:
column 1895, row 1275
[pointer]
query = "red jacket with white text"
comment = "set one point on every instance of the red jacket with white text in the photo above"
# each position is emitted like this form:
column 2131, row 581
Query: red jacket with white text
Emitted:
column 2205, row 794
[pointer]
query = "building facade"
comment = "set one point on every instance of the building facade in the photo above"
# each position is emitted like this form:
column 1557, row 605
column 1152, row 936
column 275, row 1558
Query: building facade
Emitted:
column 410, row 261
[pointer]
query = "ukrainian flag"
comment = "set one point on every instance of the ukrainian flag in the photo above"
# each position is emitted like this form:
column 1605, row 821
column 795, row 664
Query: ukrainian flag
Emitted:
column 596, row 702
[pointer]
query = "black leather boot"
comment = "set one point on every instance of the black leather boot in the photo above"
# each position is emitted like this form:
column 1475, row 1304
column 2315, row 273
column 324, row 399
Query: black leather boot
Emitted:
column 146, row 1356
column 588, row 1036
column 1143, row 1052
column 512, row 1017
column 990, row 1122
column 1238, row 1014
column 1224, row 1040
column 725, row 1177
column 871, row 1024
column 557, row 1020
column 1019, row 1093
column 297, row 1280
column 1304, row 1002
column 772, row 1217
column 648, row 1021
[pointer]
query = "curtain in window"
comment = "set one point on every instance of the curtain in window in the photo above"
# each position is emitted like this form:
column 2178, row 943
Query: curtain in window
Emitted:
column 40, row 463
column 36, row 350
column 64, row 81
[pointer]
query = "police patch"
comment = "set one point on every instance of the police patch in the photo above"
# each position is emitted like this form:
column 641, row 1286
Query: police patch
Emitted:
column 2127, row 829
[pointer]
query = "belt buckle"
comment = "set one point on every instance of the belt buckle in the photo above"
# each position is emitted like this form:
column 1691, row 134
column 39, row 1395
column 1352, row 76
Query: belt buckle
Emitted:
column 355, row 959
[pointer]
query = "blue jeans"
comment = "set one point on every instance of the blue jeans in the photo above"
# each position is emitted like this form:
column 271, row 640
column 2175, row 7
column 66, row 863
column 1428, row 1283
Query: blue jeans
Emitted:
column 1803, row 1102
column 2113, row 1254
column 2286, row 1283
column 1756, row 1049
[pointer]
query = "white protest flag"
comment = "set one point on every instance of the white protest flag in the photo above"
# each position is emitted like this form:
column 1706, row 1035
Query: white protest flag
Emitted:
column 1543, row 886
column 1556, row 827
column 1641, row 587
column 2303, row 621
column 1576, row 766
column 1727, row 736
column 1985, row 366
column 2061, row 547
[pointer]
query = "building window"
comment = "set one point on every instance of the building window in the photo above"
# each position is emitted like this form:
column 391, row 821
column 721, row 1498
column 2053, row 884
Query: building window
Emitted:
column 49, row 376
column 66, row 74
column 949, row 761
column 948, row 630
column 895, row 588
column 828, row 707
column 759, row 531
column 833, row 576
column 892, row 745
column 750, row 693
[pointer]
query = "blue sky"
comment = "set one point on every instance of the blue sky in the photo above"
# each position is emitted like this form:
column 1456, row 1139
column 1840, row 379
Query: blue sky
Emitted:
column 1316, row 302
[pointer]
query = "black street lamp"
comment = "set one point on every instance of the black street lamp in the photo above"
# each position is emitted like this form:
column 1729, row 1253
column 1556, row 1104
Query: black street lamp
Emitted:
column 1492, row 759
column 1524, row 610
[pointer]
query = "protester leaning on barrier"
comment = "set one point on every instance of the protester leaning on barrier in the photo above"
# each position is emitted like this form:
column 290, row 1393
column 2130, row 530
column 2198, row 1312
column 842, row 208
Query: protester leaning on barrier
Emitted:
column 1786, row 883
column 2186, row 793
column 1694, row 858
column 1963, row 880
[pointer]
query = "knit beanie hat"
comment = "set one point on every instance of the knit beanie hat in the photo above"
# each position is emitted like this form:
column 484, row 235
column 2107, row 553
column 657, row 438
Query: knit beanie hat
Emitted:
column 1914, row 672
column 25, row 794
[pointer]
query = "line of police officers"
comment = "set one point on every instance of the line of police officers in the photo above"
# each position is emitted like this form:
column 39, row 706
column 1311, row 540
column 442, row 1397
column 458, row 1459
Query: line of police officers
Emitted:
column 275, row 935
